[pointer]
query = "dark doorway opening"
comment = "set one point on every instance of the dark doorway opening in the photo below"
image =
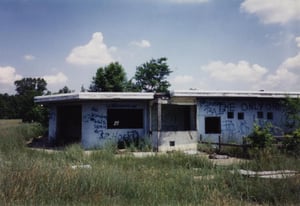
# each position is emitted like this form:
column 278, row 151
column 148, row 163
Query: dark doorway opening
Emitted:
column 68, row 128
column 178, row 117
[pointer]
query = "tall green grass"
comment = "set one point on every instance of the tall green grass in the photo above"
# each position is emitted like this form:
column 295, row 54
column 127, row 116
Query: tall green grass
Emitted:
column 35, row 177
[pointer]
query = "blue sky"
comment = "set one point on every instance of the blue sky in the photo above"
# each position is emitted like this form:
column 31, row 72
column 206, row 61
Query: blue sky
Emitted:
column 210, row 44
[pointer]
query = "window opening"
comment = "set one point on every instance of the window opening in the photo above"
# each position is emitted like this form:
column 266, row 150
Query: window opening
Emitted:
column 230, row 115
column 260, row 115
column 212, row 125
column 270, row 115
column 241, row 115
column 125, row 118
column 178, row 117
column 172, row 143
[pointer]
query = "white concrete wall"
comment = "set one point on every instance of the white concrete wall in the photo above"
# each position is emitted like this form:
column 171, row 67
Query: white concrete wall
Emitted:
column 94, row 124
column 232, row 130
column 174, row 128
column 181, row 140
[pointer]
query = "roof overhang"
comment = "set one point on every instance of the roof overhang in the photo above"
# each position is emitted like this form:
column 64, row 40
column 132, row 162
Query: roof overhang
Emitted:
column 177, row 96
column 86, row 96
column 234, row 94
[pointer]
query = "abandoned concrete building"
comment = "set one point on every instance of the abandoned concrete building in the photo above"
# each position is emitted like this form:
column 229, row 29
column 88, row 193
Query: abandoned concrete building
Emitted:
column 175, row 121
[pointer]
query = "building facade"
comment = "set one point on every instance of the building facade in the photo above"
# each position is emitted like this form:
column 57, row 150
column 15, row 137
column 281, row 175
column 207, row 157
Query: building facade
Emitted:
column 175, row 121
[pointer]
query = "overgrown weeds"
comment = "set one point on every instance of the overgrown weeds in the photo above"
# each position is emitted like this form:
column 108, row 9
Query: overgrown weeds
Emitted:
column 32, row 177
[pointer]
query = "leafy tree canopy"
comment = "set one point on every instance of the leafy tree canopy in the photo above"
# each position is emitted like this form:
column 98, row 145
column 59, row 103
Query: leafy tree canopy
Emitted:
column 151, row 76
column 8, row 107
column 27, row 89
column 64, row 90
column 111, row 78
column 292, row 112
column 37, row 86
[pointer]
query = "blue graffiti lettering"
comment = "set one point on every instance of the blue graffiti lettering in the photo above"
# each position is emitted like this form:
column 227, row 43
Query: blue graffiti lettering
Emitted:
column 217, row 108
column 102, row 134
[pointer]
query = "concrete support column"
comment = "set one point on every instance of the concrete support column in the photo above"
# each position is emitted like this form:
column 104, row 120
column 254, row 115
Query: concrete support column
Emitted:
column 158, row 122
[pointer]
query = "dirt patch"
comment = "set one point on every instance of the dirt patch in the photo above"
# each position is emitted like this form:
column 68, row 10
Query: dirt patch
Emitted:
column 222, row 161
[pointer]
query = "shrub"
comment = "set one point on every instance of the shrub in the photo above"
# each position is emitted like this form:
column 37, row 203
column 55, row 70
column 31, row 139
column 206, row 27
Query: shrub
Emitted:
column 208, row 148
column 135, row 144
column 261, row 136
column 291, row 142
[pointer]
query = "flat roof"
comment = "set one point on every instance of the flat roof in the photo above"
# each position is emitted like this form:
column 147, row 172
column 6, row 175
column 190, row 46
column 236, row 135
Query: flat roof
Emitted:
column 150, row 96
column 254, row 94
column 94, row 96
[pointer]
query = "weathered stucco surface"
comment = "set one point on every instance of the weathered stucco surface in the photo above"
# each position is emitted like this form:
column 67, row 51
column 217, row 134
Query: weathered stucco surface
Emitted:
column 95, row 132
column 234, row 128
column 175, row 140
column 175, row 121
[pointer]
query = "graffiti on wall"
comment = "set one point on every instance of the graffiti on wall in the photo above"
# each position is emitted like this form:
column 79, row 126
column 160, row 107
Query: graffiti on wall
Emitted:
column 260, row 106
column 217, row 108
column 236, row 128
column 131, row 134
column 220, row 107
column 121, row 135
column 98, row 120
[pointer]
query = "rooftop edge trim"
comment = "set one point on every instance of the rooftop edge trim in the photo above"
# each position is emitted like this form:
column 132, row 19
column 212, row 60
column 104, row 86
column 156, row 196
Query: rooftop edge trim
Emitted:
column 151, row 96
column 256, row 94
column 94, row 96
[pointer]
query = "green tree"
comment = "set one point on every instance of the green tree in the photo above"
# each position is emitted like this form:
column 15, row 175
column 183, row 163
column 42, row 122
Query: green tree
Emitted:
column 64, row 90
column 151, row 76
column 111, row 78
column 131, row 86
column 8, row 107
column 82, row 89
column 27, row 89
column 292, row 112
column 37, row 86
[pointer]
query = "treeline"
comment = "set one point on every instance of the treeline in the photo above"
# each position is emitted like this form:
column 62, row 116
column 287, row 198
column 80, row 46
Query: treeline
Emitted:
column 21, row 105
column 149, row 77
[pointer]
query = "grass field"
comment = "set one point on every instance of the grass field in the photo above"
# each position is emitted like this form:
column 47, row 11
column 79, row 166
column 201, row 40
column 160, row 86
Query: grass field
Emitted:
column 35, row 177
column 9, row 122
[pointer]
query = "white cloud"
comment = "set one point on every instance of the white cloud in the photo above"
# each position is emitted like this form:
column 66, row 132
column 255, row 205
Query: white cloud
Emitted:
column 29, row 57
column 292, row 63
column 8, row 75
column 59, row 78
column 95, row 52
column 242, row 71
column 273, row 11
column 188, row 1
column 282, row 79
column 223, row 76
column 297, row 39
column 142, row 43
column 182, row 82
column 287, row 75
column 246, row 76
